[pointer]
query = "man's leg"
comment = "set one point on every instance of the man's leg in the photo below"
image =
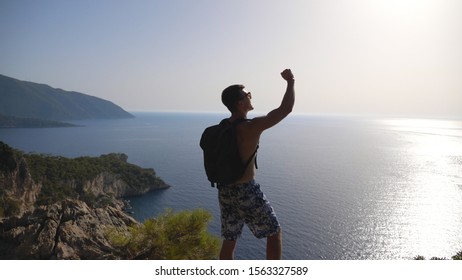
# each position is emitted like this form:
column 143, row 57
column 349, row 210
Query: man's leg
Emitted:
column 274, row 246
column 227, row 249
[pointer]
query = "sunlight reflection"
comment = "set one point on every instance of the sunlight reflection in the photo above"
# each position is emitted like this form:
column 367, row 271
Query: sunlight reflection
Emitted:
column 426, row 126
column 434, row 162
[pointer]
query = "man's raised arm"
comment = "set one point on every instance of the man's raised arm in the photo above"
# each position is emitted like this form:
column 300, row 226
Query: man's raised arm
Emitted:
column 287, row 104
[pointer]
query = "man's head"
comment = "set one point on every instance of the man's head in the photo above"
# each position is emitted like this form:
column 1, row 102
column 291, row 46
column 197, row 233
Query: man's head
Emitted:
column 236, row 99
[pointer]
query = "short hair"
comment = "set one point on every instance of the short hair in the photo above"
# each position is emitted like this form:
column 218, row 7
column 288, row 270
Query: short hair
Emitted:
column 230, row 96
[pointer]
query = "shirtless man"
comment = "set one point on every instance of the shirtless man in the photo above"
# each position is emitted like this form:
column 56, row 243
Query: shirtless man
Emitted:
column 243, row 201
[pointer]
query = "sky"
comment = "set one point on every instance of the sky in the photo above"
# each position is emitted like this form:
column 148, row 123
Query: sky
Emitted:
column 362, row 57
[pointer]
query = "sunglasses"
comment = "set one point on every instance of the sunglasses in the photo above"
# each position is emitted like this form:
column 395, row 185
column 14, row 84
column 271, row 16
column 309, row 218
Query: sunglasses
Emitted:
column 247, row 94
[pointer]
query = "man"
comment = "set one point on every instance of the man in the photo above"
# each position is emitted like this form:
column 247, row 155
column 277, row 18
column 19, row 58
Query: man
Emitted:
column 243, row 201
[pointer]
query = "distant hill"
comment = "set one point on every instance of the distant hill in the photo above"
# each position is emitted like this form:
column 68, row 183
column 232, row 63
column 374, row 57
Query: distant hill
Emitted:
column 39, row 101
column 14, row 122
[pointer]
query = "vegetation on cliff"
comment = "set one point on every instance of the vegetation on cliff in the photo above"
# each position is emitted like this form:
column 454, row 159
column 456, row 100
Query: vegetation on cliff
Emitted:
column 9, row 162
column 70, row 229
column 456, row 257
column 30, row 180
column 170, row 236
column 66, row 178
column 54, row 207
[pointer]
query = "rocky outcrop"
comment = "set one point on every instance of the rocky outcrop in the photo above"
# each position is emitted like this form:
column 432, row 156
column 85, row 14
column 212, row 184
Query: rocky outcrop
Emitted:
column 107, row 183
column 69, row 229
column 17, row 188
column 60, row 208
column 28, row 179
column 19, row 184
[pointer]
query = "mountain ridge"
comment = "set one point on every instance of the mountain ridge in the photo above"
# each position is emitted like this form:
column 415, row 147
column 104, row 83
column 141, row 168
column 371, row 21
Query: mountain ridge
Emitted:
column 23, row 99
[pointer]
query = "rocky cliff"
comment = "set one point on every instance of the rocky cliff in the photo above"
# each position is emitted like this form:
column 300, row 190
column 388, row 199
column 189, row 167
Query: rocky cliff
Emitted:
column 29, row 180
column 68, row 229
column 60, row 208
column 18, row 191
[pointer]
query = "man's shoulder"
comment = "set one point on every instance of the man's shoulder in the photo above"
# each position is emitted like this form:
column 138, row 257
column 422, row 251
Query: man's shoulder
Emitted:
column 253, row 125
column 259, row 120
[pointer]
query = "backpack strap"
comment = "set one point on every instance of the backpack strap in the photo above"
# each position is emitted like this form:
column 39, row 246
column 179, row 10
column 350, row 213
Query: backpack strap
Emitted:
column 251, row 157
column 255, row 154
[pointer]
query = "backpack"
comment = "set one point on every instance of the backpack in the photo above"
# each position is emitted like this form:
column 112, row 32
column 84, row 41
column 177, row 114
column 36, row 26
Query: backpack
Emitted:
column 222, row 160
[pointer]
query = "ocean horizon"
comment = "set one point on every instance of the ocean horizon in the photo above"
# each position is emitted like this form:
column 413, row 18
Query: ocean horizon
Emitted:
column 343, row 187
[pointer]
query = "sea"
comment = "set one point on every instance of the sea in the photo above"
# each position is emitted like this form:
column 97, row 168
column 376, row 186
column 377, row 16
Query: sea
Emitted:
column 343, row 187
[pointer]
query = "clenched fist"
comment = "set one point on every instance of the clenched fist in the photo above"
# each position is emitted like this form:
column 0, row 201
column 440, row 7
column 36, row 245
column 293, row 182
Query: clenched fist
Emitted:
column 287, row 75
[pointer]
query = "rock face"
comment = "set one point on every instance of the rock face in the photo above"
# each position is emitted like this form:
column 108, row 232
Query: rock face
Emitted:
column 115, row 178
column 22, row 186
column 19, row 192
column 69, row 229
column 107, row 183
column 62, row 212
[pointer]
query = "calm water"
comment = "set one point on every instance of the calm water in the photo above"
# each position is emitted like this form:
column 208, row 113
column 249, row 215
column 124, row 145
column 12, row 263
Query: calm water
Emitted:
column 343, row 188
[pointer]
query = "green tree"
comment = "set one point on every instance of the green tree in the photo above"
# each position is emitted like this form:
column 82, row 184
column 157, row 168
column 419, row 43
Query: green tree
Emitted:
column 171, row 236
column 457, row 256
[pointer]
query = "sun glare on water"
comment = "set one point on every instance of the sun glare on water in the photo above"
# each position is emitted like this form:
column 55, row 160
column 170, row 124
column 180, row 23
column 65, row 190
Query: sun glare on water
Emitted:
column 428, row 211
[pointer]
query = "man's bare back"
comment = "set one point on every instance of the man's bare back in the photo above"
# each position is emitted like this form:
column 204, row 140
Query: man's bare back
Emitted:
column 248, row 139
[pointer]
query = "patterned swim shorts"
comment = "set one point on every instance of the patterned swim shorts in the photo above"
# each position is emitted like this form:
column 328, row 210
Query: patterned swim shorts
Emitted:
column 246, row 203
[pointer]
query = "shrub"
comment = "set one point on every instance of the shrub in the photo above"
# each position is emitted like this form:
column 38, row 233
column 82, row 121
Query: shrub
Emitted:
column 171, row 236
column 457, row 256
column 9, row 207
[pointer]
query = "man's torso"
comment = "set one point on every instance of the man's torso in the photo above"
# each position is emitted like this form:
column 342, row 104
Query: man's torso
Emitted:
column 248, row 139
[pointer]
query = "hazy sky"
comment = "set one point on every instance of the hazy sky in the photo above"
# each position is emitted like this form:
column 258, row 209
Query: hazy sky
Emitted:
column 396, row 57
